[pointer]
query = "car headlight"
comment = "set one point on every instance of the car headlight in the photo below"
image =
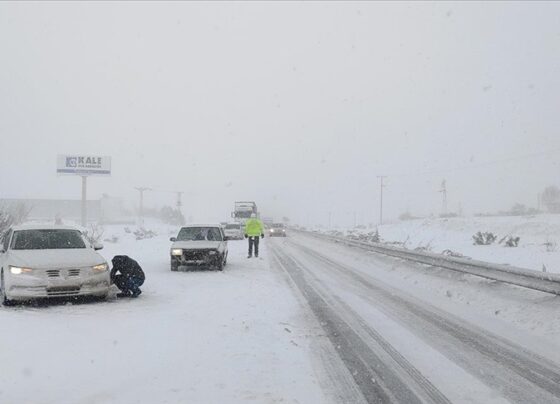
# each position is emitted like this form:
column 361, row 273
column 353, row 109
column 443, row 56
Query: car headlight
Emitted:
column 176, row 251
column 100, row 268
column 272, row 230
column 212, row 252
column 19, row 270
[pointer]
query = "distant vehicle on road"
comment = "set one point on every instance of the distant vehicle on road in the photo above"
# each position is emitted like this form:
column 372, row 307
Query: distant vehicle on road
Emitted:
column 277, row 230
column 242, row 211
column 267, row 221
column 234, row 231
column 49, row 261
column 199, row 245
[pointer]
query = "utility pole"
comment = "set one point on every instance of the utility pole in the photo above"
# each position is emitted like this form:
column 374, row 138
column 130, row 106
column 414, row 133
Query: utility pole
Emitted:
column 381, row 186
column 141, row 210
column 443, row 191
column 179, row 203
column 84, row 200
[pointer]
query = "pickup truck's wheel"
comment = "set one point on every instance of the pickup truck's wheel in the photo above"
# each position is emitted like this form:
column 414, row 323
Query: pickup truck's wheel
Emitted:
column 221, row 262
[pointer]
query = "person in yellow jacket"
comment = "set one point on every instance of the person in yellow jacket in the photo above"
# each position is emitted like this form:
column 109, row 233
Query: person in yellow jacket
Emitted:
column 253, row 229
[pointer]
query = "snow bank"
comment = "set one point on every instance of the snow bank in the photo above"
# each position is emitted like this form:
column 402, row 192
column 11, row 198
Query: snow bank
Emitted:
column 539, row 238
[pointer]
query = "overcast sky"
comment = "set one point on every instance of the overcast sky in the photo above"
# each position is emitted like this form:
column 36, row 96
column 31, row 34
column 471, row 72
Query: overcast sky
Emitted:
column 298, row 106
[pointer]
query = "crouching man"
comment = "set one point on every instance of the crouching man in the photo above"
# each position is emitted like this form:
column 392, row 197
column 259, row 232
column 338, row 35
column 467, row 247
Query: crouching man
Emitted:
column 130, row 278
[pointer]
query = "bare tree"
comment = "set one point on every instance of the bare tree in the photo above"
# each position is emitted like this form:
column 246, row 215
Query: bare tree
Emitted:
column 551, row 199
column 13, row 215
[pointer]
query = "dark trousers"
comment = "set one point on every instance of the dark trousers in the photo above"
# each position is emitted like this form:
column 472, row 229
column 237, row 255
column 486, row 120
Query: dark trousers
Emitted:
column 128, row 285
column 254, row 241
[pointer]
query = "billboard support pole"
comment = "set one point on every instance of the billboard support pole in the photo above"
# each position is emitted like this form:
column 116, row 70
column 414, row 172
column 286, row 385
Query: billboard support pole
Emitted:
column 84, row 200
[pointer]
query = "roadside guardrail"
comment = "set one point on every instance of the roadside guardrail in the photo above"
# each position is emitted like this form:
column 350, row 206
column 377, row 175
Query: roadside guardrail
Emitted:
column 542, row 281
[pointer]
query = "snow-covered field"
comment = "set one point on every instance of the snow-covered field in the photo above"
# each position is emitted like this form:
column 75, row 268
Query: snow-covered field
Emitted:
column 539, row 243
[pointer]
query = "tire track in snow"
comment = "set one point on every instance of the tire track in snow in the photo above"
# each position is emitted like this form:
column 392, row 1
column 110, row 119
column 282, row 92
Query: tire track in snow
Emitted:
column 520, row 375
column 381, row 373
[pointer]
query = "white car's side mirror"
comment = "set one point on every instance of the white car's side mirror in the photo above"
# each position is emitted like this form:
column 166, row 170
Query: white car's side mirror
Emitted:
column 97, row 246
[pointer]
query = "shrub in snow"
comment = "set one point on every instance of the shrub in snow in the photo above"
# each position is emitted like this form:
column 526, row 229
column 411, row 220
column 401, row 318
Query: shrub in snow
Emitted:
column 142, row 233
column 5, row 222
column 485, row 238
column 94, row 233
column 551, row 246
column 12, row 215
column 510, row 241
column 424, row 248
column 451, row 253
column 335, row 233
column 371, row 237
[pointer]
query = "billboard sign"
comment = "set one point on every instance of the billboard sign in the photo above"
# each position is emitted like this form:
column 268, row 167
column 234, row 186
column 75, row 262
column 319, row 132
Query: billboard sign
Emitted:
column 83, row 165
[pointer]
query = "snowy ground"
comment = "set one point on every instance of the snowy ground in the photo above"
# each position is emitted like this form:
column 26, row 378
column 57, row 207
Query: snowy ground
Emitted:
column 196, row 337
column 539, row 238
column 310, row 322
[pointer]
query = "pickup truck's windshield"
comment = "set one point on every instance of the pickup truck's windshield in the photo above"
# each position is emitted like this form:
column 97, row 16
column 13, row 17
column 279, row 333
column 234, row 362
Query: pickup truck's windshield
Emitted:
column 47, row 239
column 199, row 234
column 232, row 226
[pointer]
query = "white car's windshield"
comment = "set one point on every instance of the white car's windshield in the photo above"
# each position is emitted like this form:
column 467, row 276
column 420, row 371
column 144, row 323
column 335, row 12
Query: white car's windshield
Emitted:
column 199, row 234
column 47, row 239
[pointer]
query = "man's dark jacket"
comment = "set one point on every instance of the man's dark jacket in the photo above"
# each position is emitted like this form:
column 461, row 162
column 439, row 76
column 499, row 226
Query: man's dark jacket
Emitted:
column 127, row 267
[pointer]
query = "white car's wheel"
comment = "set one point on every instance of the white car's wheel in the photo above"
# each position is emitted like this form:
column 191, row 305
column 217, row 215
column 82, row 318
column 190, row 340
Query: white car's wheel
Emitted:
column 5, row 301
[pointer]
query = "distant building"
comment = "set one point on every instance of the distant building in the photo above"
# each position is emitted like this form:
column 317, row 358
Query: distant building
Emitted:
column 105, row 210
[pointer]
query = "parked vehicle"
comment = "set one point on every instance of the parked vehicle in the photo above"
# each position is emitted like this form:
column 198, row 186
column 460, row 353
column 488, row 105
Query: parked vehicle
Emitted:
column 277, row 230
column 234, row 231
column 48, row 261
column 199, row 245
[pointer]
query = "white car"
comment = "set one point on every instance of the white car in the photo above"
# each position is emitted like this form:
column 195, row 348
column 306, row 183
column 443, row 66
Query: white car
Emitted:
column 47, row 261
column 234, row 231
column 199, row 245
column 277, row 230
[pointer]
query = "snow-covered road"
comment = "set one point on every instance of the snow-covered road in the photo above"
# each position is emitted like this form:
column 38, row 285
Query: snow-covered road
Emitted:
column 403, row 347
column 308, row 322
